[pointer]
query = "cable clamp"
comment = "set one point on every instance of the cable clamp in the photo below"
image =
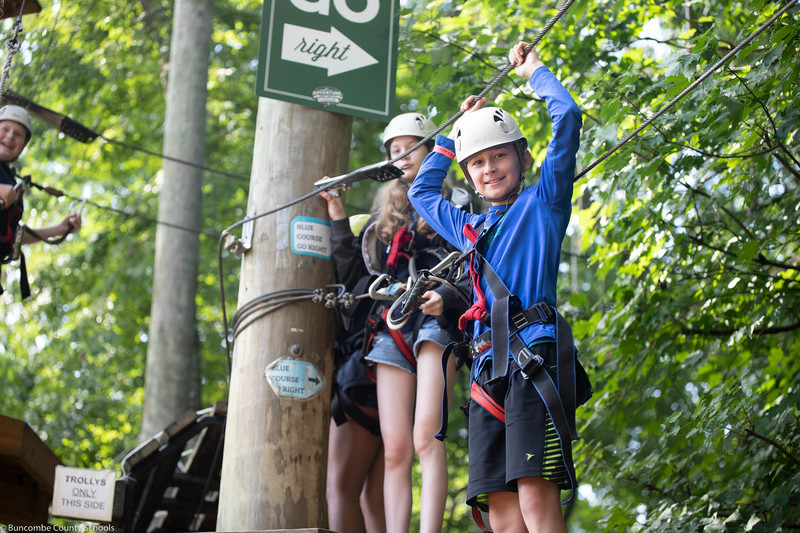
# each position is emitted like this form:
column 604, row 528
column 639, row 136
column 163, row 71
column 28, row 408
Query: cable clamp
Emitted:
column 235, row 245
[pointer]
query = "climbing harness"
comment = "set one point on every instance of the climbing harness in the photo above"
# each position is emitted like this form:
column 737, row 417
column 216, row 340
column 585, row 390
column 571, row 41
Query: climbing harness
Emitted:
column 385, row 288
column 11, row 243
column 352, row 374
column 507, row 319
column 15, row 231
column 342, row 407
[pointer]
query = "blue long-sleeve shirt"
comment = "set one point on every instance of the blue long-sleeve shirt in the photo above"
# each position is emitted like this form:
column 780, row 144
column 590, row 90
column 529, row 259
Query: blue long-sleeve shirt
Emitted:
column 526, row 247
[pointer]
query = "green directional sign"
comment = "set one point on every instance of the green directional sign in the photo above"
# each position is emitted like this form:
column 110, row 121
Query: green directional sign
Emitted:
column 338, row 55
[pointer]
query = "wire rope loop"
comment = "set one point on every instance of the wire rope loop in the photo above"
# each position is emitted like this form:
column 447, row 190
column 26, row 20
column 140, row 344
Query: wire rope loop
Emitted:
column 13, row 46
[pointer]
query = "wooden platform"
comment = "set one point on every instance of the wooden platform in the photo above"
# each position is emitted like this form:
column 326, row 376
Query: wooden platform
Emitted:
column 171, row 481
column 27, row 474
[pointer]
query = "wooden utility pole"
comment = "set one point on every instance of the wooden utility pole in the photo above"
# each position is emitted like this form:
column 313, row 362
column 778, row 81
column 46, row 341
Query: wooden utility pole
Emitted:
column 274, row 463
column 172, row 376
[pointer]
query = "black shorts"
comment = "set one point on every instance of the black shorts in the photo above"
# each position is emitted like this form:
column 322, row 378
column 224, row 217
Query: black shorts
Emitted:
column 525, row 445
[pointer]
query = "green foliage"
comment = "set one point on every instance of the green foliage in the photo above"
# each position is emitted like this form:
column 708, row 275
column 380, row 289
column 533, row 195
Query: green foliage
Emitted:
column 680, row 268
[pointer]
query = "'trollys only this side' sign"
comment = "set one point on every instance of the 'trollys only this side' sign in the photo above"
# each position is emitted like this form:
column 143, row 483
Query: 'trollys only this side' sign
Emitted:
column 337, row 55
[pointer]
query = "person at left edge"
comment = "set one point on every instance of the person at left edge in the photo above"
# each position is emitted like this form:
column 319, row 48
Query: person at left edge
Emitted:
column 15, row 132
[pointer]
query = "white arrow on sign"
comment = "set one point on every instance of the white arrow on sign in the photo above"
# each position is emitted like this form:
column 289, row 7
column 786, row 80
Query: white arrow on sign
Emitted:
column 332, row 51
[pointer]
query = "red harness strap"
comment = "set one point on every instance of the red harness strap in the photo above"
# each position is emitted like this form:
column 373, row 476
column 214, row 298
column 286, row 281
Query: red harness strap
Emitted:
column 484, row 400
column 399, row 242
column 478, row 309
column 400, row 341
column 478, row 518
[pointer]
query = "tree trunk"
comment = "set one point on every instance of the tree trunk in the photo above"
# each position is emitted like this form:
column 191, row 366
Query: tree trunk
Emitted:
column 172, row 381
column 273, row 468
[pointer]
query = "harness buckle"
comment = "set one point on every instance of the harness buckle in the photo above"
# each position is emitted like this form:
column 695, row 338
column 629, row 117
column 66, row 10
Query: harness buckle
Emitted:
column 519, row 320
column 544, row 311
column 529, row 362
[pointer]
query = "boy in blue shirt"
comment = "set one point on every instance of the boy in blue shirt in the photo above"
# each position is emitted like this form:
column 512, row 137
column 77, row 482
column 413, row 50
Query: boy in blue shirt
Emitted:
column 521, row 423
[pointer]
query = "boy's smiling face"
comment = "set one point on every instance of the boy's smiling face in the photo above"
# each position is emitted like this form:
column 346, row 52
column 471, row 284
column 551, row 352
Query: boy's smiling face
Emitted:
column 13, row 138
column 496, row 172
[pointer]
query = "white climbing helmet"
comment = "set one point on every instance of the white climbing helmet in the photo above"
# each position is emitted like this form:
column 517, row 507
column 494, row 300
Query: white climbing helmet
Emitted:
column 485, row 128
column 412, row 124
column 20, row 116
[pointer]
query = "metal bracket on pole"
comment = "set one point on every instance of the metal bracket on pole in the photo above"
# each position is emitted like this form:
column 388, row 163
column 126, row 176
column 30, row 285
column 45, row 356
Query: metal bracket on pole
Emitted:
column 241, row 246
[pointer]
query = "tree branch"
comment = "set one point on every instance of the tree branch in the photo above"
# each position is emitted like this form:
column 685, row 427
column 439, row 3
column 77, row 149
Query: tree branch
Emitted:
column 769, row 117
column 718, row 332
column 751, row 432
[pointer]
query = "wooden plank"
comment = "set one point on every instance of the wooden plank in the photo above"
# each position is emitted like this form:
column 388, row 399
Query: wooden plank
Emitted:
column 220, row 409
column 20, row 446
column 22, row 502
column 198, row 468
column 27, row 474
column 143, row 452
column 181, row 423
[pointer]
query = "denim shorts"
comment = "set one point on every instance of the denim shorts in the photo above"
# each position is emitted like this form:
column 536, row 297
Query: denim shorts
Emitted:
column 385, row 351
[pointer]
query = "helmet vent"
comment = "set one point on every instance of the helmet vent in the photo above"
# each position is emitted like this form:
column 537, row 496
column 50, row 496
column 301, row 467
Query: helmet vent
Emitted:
column 500, row 120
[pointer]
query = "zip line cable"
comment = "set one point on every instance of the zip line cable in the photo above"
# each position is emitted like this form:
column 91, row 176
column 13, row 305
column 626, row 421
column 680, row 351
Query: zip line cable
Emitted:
column 130, row 214
column 175, row 159
column 82, row 133
column 334, row 182
column 688, row 89
column 69, row 126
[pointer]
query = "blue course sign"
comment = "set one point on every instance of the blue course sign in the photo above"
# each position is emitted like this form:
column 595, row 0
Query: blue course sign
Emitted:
column 337, row 55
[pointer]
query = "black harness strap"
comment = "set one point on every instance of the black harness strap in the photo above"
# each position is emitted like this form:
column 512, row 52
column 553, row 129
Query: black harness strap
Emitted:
column 499, row 318
column 342, row 406
column 566, row 373
column 24, row 287
column 552, row 401
column 448, row 350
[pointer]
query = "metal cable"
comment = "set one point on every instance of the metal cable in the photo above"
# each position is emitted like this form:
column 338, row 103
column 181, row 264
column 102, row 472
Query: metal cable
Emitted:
column 174, row 159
